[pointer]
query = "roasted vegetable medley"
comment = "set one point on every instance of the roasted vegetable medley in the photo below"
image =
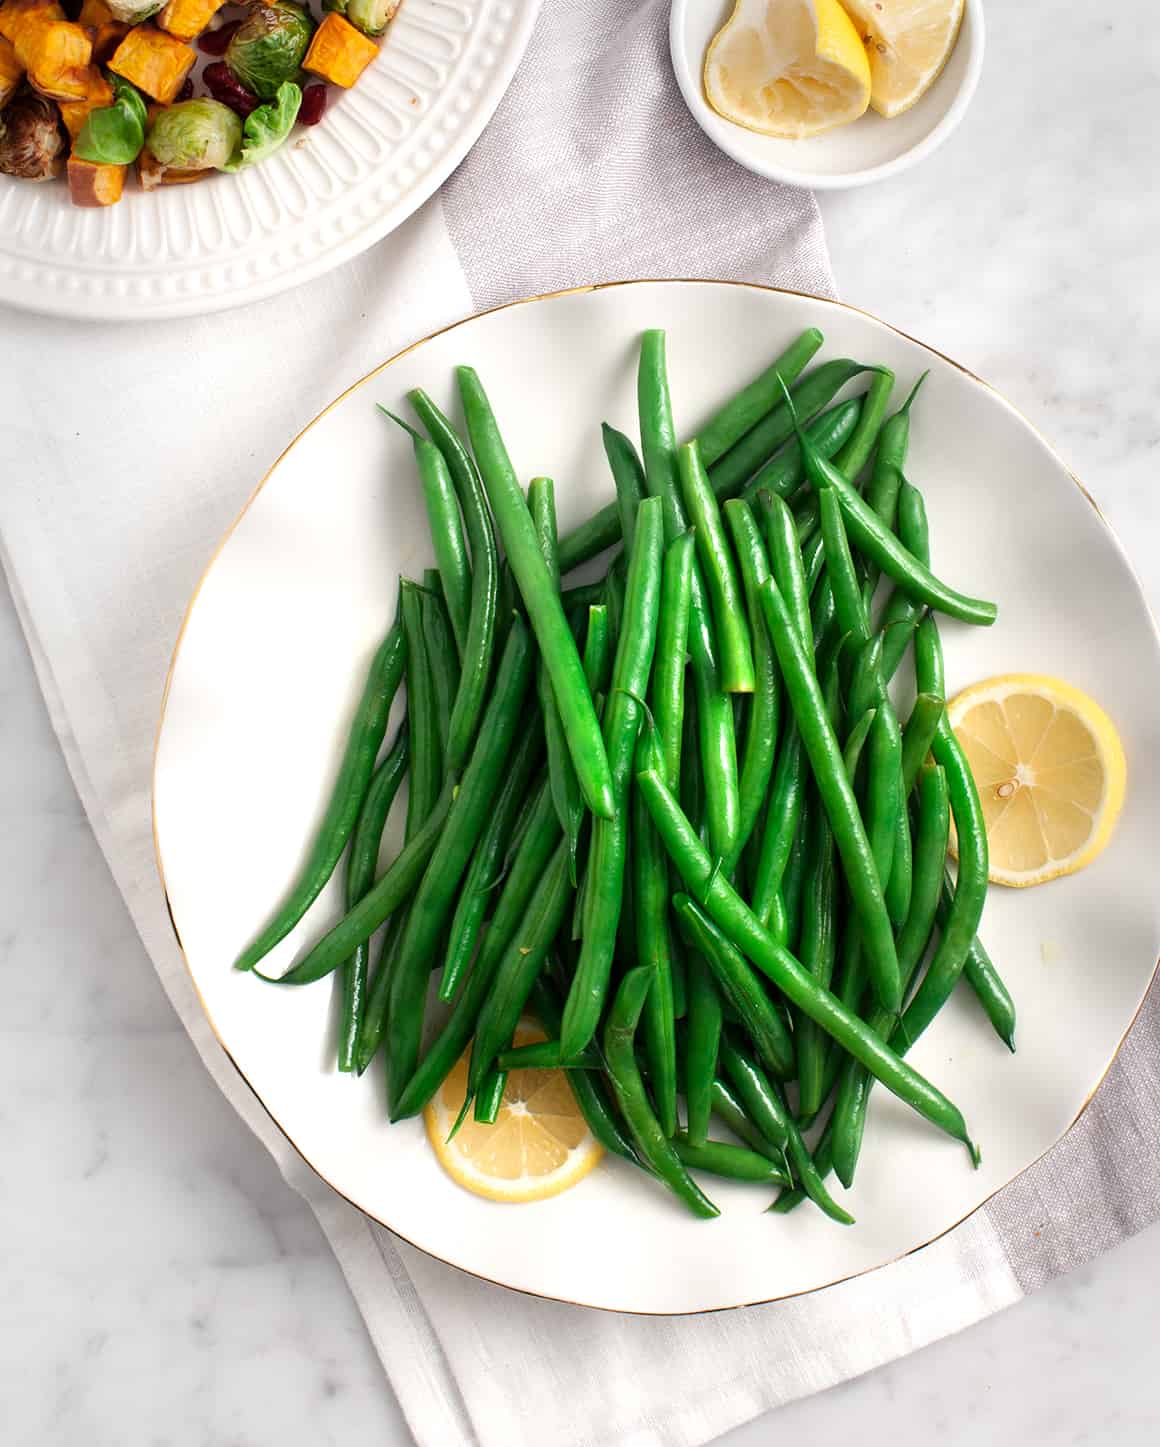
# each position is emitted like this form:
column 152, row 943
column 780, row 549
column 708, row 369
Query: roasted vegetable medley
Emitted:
column 92, row 87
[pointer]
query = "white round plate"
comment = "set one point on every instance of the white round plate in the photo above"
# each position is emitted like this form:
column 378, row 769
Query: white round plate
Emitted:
column 270, row 663
column 868, row 149
column 334, row 189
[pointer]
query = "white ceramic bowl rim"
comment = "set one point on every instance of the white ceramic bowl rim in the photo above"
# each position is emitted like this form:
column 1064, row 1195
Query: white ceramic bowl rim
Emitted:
column 744, row 146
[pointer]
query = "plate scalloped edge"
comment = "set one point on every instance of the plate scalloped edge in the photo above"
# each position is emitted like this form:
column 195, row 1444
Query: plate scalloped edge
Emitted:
column 382, row 149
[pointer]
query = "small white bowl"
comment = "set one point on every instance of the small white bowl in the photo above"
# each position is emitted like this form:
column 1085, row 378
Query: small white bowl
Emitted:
column 868, row 149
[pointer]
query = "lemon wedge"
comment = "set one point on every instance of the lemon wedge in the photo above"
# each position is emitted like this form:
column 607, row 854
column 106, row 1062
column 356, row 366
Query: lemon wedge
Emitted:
column 788, row 68
column 907, row 44
column 539, row 1145
column 1050, row 771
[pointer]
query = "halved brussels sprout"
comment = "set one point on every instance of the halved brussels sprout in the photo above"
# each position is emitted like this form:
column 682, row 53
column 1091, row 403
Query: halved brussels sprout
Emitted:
column 370, row 16
column 268, row 47
column 195, row 135
column 132, row 12
column 32, row 143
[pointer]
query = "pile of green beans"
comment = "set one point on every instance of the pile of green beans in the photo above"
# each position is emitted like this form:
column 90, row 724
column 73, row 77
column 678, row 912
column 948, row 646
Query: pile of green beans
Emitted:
column 672, row 811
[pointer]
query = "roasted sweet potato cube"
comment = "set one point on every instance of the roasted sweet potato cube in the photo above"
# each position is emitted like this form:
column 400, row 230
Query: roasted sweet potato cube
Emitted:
column 16, row 15
column 339, row 53
column 56, row 55
column 10, row 71
column 155, row 62
column 93, row 183
column 107, row 32
column 187, row 18
column 74, row 113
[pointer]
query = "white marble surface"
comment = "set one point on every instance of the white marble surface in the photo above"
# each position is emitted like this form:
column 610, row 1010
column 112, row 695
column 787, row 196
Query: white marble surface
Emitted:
column 162, row 1285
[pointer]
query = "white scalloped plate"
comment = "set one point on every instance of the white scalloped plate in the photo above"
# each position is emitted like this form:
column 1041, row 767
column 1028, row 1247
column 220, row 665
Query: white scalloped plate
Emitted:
column 382, row 149
column 268, row 667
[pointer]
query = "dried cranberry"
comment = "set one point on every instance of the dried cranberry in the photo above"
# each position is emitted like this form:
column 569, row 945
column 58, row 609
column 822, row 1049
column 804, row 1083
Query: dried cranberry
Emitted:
column 186, row 90
column 313, row 106
column 214, row 42
column 224, row 86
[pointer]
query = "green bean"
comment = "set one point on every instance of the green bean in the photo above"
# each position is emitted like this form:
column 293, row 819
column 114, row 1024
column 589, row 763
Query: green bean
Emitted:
column 849, row 1118
column 883, row 488
column 624, row 1074
column 587, row 1085
column 604, row 890
column 597, row 657
column 516, row 973
column 768, row 1111
column 668, row 681
column 442, row 660
column 901, row 881
column 730, row 473
column 855, row 454
column 489, row 1097
column 837, row 796
column 566, row 794
column 841, row 573
column 714, row 706
column 374, row 1024
column 738, row 923
column 966, row 908
column 361, row 865
column 702, row 1038
column 740, row 986
column 855, row 742
column 651, row 886
column 816, row 950
column 436, row 895
column 346, row 798
column 793, row 878
column 527, row 868
column 728, row 1109
column 984, row 979
column 541, row 597
column 478, row 652
column 628, row 475
column 918, row 736
column 547, row 1055
column 902, row 613
column 785, row 471
column 761, row 735
column 653, row 948
column 884, row 797
column 447, row 537
column 487, row 862
column 734, row 1163
column 789, row 1199
column 863, row 689
column 426, row 771
column 883, row 549
column 785, row 562
column 390, row 891
column 746, row 408
column 720, row 573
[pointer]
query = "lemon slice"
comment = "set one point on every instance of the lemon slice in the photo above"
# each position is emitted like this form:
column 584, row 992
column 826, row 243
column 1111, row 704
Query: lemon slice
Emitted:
column 907, row 44
column 539, row 1145
column 1050, row 771
column 788, row 68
